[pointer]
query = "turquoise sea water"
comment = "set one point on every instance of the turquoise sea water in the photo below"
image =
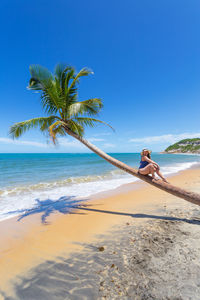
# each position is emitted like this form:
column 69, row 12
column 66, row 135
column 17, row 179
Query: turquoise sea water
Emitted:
column 28, row 181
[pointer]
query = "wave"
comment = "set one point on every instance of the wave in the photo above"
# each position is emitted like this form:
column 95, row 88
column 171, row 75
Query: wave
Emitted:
column 12, row 191
column 177, row 167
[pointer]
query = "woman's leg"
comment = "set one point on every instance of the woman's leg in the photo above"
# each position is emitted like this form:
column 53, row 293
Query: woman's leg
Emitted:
column 160, row 174
column 149, row 169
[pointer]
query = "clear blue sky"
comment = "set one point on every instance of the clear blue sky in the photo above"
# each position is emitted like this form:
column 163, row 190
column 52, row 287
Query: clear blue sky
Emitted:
column 146, row 61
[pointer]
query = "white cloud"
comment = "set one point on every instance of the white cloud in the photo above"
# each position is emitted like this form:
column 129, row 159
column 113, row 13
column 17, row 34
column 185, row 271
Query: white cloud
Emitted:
column 166, row 138
column 62, row 142
column 109, row 145
column 26, row 143
column 102, row 133
column 65, row 142
column 95, row 140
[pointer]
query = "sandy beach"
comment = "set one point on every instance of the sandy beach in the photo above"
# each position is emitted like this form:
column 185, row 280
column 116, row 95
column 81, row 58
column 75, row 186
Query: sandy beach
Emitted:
column 135, row 243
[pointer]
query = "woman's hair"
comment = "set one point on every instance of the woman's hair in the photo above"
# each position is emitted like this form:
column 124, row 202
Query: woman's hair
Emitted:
column 149, row 153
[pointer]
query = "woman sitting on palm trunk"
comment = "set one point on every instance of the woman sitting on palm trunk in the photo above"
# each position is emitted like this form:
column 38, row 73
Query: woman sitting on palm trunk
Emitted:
column 148, row 166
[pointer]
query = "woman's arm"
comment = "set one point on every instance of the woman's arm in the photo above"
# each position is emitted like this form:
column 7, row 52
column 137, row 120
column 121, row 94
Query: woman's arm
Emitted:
column 150, row 161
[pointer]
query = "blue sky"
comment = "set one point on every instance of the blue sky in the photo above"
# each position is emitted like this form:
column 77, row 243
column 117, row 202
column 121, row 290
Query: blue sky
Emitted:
column 146, row 61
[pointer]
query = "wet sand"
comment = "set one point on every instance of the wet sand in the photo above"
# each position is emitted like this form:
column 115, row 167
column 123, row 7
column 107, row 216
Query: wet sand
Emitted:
column 135, row 244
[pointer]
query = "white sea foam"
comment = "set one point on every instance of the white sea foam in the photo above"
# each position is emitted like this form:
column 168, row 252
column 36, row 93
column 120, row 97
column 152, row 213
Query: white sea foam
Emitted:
column 177, row 167
column 16, row 201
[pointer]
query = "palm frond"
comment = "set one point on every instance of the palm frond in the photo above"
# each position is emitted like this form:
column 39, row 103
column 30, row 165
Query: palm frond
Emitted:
column 56, row 127
column 69, row 93
column 75, row 127
column 48, row 104
column 17, row 129
column 68, row 76
column 82, row 72
column 58, row 131
column 91, row 122
column 64, row 74
column 89, row 107
column 59, row 70
column 41, row 78
column 43, row 81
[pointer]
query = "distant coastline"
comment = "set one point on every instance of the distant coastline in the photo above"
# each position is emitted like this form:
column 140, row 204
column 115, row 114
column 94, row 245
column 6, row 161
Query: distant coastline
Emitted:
column 177, row 152
column 186, row 146
column 180, row 153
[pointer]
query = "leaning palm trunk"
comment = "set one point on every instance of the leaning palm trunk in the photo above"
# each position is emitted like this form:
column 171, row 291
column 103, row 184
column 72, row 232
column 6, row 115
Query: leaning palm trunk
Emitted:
column 176, row 191
column 66, row 114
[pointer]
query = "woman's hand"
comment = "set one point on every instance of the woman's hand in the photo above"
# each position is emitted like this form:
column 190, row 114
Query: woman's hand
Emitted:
column 152, row 162
column 157, row 166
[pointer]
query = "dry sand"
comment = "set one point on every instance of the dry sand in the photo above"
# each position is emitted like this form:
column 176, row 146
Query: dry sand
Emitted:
column 136, row 244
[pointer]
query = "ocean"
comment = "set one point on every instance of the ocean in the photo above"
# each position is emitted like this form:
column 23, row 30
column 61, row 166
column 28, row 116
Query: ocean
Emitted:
column 32, row 183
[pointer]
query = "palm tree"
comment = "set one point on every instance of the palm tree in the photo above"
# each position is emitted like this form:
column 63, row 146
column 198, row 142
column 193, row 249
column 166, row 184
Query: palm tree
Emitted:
column 66, row 115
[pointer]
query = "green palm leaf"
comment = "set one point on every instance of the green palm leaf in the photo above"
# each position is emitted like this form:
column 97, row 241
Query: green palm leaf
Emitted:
column 90, row 107
column 55, row 128
column 58, row 131
column 81, row 73
column 43, row 123
column 42, row 80
column 59, row 70
column 91, row 122
column 76, row 127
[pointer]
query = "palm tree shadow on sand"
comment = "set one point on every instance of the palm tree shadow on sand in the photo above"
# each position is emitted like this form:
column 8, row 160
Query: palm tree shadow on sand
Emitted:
column 47, row 207
column 195, row 221
column 69, row 205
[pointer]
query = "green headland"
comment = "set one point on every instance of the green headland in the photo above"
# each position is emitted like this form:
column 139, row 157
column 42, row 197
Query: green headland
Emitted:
column 185, row 146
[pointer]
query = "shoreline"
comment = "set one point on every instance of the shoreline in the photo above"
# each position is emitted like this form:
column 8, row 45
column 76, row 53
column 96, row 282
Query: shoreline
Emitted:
column 28, row 194
column 125, row 187
column 29, row 243
column 181, row 153
column 108, row 192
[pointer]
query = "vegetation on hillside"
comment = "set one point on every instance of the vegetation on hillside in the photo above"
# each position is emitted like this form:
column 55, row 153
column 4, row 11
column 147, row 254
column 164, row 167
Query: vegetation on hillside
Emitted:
column 185, row 146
